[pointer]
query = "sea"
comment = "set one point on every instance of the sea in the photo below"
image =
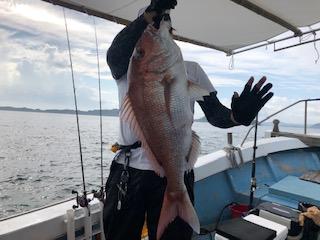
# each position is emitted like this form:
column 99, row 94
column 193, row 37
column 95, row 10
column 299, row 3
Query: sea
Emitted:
column 40, row 156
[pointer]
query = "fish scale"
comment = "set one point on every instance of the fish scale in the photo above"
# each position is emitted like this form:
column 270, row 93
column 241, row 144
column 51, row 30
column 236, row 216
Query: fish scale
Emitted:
column 158, row 109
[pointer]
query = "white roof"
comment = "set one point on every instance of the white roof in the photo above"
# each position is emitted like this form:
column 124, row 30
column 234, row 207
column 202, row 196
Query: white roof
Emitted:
column 225, row 25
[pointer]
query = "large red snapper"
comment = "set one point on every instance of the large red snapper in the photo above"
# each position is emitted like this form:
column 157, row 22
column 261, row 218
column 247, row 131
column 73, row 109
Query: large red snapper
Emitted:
column 158, row 109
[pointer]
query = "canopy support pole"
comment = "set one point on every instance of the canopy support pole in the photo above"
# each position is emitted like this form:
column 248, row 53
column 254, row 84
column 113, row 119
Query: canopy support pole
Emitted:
column 260, row 11
column 295, row 45
column 266, row 43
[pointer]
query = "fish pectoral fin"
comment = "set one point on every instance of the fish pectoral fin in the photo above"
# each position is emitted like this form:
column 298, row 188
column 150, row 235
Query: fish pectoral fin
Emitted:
column 196, row 92
column 167, row 97
column 177, row 204
column 127, row 114
column 166, row 82
column 194, row 151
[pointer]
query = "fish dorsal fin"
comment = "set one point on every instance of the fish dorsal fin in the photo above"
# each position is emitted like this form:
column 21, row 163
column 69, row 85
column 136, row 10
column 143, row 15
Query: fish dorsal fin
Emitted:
column 196, row 92
column 194, row 151
column 127, row 114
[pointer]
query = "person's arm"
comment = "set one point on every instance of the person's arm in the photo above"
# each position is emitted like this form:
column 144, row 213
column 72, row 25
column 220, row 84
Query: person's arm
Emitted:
column 244, row 108
column 121, row 49
column 216, row 113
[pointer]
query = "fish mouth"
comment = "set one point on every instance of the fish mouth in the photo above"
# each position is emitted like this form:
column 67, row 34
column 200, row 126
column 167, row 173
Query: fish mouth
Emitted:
column 164, row 17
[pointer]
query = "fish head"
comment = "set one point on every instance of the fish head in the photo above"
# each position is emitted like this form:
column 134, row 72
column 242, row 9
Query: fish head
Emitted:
column 152, row 45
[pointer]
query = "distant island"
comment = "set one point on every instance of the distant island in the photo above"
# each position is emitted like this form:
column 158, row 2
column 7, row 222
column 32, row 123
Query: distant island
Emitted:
column 115, row 113
column 203, row 119
column 105, row 112
column 316, row 125
column 284, row 124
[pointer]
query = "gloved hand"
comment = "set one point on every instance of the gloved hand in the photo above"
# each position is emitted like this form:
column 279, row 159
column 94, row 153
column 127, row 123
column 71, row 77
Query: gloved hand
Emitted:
column 312, row 213
column 160, row 6
column 246, row 106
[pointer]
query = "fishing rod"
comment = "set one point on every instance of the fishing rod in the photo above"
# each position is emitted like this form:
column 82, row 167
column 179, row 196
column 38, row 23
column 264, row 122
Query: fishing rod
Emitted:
column 100, row 193
column 253, row 169
column 81, row 200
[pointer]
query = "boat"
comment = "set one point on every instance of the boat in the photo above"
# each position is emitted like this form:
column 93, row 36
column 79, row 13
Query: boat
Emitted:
column 287, row 165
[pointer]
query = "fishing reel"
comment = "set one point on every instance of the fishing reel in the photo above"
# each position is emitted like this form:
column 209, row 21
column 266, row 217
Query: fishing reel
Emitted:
column 82, row 200
column 98, row 194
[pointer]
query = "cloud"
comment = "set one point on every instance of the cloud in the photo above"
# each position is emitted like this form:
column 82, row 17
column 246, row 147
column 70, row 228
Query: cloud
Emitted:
column 225, row 82
column 295, row 114
column 47, row 19
column 35, row 57
column 292, row 72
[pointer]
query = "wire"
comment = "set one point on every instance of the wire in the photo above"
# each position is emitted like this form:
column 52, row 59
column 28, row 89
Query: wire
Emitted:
column 75, row 102
column 221, row 213
column 99, row 80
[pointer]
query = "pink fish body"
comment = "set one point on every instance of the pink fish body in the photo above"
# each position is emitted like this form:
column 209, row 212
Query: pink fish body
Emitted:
column 158, row 109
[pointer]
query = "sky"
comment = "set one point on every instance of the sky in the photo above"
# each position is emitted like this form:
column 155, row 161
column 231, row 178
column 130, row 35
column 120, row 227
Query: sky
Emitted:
column 35, row 69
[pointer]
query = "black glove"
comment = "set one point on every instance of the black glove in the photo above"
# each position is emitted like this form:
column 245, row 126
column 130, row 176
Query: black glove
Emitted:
column 246, row 106
column 160, row 6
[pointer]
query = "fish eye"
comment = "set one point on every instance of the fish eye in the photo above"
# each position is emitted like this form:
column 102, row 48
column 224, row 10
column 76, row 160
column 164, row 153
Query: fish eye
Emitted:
column 140, row 52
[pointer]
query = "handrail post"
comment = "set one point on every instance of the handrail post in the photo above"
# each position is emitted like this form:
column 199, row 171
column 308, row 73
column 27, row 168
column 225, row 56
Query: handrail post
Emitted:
column 305, row 116
column 283, row 109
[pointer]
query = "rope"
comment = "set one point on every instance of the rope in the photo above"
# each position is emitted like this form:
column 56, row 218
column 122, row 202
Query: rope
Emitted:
column 75, row 101
column 231, row 63
column 316, row 49
column 99, row 80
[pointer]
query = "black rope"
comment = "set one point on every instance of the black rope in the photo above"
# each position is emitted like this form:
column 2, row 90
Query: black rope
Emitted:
column 99, row 80
column 221, row 213
column 76, row 105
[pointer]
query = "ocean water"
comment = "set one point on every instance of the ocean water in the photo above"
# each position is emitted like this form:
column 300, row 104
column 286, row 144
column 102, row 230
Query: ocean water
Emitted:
column 40, row 160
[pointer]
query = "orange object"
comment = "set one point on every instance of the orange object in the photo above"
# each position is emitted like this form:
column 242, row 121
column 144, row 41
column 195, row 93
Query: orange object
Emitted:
column 115, row 147
column 144, row 232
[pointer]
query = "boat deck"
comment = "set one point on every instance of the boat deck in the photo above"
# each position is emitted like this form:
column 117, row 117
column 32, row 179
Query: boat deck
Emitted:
column 277, row 175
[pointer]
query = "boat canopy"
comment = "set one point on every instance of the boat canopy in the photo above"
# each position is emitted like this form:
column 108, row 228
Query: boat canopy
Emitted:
column 225, row 25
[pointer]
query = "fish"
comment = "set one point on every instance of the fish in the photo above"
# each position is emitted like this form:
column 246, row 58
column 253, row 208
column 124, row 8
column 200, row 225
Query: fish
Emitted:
column 158, row 110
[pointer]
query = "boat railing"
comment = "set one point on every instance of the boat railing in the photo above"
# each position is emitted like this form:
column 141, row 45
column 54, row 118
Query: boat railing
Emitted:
column 283, row 109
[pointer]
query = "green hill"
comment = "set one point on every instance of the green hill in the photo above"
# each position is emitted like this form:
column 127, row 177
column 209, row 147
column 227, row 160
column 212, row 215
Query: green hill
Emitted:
column 105, row 112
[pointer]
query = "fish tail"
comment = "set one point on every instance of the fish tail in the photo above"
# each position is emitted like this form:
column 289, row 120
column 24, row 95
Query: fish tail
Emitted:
column 177, row 204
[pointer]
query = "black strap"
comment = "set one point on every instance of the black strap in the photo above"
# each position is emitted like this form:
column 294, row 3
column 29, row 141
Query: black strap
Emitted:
column 127, row 151
column 136, row 145
column 124, row 177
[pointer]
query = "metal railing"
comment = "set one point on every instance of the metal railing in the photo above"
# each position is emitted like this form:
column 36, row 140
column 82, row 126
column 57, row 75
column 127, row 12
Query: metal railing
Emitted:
column 283, row 109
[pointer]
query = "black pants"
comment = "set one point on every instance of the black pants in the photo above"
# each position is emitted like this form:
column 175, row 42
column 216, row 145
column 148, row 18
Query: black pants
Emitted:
column 143, row 199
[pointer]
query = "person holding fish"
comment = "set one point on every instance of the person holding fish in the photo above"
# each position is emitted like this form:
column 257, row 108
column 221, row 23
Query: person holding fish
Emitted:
column 151, row 176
